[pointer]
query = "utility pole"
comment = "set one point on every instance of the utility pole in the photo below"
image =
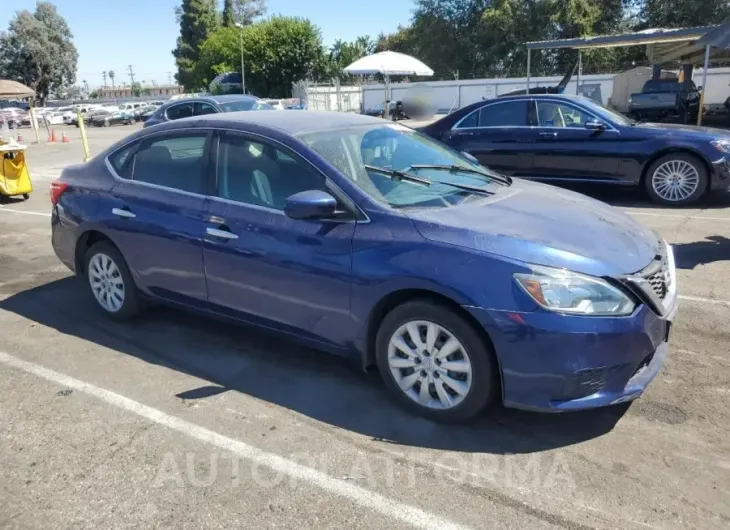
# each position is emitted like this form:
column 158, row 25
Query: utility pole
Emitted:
column 131, row 75
column 243, row 66
column 169, row 78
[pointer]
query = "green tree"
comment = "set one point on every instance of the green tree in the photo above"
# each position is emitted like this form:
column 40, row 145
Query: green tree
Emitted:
column 228, row 17
column 136, row 89
column 111, row 75
column 342, row 54
column 38, row 51
column 244, row 12
column 277, row 52
column 683, row 13
column 94, row 94
column 198, row 19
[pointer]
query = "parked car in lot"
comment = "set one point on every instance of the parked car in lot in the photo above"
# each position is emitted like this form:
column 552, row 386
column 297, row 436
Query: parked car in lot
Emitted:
column 666, row 98
column 574, row 139
column 112, row 117
column 370, row 240
column 200, row 106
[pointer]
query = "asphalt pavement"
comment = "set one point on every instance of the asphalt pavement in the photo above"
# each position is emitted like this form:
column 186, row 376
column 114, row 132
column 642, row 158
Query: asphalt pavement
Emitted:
column 174, row 420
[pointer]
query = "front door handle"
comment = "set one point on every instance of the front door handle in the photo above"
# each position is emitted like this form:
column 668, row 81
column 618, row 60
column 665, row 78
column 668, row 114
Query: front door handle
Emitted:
column 121, row 212
column 223, row 234
column 548, row 135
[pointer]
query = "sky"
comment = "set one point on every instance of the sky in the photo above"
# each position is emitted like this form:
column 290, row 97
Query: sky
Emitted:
column 112, row 34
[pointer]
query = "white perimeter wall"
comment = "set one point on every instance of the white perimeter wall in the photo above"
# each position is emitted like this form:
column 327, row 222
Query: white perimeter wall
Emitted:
column 455, row 94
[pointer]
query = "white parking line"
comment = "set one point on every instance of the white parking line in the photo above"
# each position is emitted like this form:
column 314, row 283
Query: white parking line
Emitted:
column 704, row 300
column 10, row 210
column 365, row 498
column 675, row 216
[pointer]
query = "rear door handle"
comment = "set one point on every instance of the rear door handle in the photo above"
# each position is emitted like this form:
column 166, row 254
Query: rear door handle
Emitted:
column 121, row 212
column 223, row 234
column 548, row 135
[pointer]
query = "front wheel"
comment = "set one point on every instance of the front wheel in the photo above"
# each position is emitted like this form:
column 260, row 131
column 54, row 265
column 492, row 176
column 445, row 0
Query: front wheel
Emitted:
column 676, row 179
column 110, row 281
column 434, row 363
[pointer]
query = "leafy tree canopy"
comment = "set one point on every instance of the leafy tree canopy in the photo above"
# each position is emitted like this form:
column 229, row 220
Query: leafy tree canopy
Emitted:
column 38, row 51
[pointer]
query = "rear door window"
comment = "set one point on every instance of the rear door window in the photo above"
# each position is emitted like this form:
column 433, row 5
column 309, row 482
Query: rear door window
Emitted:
column 201, row 108
column 183, row 110
column 176, row 162
column 508, row 114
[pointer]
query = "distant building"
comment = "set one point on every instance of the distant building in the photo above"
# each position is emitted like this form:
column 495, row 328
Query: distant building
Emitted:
column 126, row 91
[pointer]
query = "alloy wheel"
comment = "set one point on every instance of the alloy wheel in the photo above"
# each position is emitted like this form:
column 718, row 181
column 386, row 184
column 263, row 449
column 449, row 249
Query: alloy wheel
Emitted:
column 106, row 282
column 429, row 364
column 675, row 180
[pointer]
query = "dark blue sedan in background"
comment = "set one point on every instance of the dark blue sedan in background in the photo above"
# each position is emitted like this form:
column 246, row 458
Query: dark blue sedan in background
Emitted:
column 559, row 138
column 204, row 105
column 369, row 240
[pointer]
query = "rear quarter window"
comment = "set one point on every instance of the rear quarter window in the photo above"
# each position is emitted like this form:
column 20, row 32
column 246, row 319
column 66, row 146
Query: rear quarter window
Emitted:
column 118, row 159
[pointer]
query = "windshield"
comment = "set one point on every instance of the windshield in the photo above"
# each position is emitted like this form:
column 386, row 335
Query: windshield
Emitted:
column 606, row 113
column 394, row 147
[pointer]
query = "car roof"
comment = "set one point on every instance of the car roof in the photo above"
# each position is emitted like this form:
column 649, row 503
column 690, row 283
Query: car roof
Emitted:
column 227, row 98
column 295, row 123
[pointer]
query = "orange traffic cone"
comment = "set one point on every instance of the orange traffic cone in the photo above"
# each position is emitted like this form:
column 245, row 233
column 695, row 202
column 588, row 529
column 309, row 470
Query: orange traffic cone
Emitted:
column 64, row 138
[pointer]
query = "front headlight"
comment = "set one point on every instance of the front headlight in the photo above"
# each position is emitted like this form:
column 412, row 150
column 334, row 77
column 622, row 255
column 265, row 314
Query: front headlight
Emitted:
column 564, row 291
column 721, row 145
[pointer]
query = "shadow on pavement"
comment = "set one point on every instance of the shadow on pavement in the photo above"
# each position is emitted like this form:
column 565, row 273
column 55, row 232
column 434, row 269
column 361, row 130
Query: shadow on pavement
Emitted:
column 712, row 249
column 326, row 388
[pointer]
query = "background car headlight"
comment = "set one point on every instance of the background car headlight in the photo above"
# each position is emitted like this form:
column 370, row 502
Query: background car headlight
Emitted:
column 564, row 291
column 721, row 145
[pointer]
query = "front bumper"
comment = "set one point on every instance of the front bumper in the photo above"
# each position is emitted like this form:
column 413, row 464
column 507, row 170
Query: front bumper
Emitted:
column 555, row 363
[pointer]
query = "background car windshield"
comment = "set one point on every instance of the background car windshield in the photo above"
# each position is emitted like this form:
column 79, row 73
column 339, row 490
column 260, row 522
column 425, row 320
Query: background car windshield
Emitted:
column 394, row 147
column 605, row 112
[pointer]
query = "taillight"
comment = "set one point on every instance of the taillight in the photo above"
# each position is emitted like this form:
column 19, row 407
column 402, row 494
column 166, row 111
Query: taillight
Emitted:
column 57, row 189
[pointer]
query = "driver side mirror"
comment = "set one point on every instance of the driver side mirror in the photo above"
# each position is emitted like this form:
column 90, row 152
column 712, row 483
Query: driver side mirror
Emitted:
column 595, row 125
column 470, row 157
column 310, row 204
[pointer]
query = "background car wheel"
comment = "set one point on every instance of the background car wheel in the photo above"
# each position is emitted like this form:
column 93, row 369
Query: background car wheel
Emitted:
column 676, row 179
column 434, row 363
column 110, row 282
column 106, row 123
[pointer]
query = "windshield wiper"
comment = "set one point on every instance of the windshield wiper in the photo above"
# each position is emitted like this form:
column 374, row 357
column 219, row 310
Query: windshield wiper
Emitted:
column 399, row 175
column 404, row 175
column 453, row 168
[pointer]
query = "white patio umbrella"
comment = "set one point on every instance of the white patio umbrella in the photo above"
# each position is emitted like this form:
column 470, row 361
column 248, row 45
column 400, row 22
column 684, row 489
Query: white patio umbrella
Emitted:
column 388, row 63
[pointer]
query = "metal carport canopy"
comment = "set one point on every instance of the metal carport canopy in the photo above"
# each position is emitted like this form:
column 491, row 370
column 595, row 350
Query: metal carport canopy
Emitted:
column 688, row 44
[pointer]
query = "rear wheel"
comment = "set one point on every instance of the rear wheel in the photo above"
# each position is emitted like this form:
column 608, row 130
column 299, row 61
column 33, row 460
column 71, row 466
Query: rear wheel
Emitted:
column 434, row 363
column 676, row 179
column 110, row 281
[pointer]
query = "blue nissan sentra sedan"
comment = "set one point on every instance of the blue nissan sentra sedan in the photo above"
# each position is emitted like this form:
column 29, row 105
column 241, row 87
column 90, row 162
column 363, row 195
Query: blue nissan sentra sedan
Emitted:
column 366, row 239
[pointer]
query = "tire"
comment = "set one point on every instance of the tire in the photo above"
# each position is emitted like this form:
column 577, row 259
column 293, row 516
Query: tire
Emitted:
column 658, row 172
column 26, row 196
column 107, row 123
column 480, row 389
column 94, row 260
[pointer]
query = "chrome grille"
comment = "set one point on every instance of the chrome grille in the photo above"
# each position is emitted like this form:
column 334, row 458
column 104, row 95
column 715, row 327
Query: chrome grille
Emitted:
column 656, row 283
column 660, row 281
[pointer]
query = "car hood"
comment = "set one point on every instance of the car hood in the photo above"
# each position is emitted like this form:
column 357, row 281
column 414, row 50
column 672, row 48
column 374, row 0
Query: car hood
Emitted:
column 544, row 225
column 683, row 131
